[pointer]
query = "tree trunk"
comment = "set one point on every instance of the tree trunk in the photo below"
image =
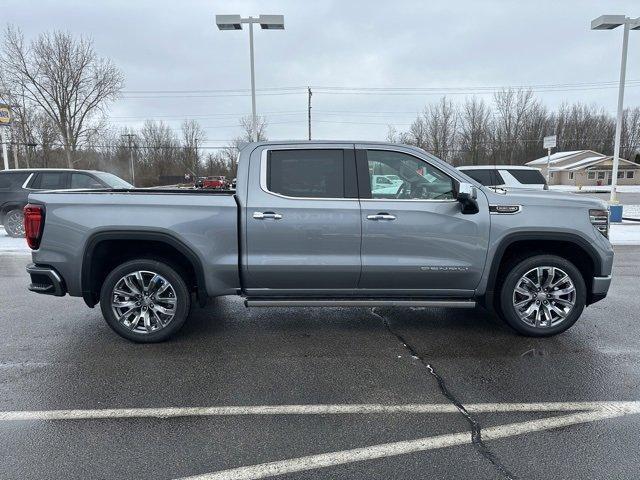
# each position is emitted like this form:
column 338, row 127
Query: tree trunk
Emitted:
column 67, row 151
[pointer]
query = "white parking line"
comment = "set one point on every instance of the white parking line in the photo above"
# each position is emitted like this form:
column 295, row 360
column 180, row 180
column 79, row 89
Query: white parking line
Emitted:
column 312, row 462
column 583, row 412
column 328, row 409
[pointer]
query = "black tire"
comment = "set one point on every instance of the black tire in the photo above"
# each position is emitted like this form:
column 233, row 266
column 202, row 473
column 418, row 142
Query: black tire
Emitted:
column 513, row 276
column 14, row 223
column 179, row 291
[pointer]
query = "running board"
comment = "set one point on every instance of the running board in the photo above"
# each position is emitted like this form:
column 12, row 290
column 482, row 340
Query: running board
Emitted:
column 356, row 302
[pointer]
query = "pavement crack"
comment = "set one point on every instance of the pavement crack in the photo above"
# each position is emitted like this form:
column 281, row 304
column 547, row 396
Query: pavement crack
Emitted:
column 476, row 428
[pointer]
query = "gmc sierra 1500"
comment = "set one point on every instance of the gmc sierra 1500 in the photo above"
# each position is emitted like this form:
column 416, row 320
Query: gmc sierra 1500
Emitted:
column 308, row 227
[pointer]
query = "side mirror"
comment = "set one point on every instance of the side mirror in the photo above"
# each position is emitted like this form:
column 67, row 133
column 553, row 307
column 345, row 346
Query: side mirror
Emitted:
column 467, row 194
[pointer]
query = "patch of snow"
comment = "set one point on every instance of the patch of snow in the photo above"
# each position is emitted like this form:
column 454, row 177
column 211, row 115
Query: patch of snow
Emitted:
column 12, row 246
column 602, row 188
column 631, row 211
column 624, row 234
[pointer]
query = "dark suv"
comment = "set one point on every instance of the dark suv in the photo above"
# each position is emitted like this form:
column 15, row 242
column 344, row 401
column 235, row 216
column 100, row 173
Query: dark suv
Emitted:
column 15, row 186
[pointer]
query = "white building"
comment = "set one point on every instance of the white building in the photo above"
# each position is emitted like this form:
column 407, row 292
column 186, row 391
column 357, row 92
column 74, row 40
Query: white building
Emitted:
column 586, row 167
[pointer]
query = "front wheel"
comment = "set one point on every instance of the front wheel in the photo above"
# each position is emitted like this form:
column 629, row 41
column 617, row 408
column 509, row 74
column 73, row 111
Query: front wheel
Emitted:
column 145, row 300
column 542, row 295
column 14, row 223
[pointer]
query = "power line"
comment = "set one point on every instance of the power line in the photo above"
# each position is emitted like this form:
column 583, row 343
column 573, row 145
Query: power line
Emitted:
column 343, row 90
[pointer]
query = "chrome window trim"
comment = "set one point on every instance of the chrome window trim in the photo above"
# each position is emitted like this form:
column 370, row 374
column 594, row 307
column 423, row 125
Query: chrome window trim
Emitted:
column 26, row 182
column 428, row 200
column 263, row 172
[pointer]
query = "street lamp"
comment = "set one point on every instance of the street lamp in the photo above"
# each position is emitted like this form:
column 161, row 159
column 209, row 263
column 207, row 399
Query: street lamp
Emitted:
column 267, row 22
column 609, row 22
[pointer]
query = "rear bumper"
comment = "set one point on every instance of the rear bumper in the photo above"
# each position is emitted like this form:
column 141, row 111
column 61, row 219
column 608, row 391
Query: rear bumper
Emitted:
column 46, row 280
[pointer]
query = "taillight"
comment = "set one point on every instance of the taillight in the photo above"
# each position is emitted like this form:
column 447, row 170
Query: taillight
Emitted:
column 33, row 224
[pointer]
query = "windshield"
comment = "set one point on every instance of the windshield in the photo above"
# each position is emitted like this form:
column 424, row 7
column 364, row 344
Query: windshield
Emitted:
column 112, row 180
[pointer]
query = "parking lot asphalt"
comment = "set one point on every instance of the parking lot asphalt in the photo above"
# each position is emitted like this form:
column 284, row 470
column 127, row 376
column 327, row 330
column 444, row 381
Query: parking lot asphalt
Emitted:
column 58, row 355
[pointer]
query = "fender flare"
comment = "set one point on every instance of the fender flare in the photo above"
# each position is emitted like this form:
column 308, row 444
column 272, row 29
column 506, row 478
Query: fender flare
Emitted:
column 511, row 238
column 95, row 239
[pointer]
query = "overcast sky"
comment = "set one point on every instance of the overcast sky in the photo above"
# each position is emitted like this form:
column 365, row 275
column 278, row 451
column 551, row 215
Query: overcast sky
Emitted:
column 174, row 45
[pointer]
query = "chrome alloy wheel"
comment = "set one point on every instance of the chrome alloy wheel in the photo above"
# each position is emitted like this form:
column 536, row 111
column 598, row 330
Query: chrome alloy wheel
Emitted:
column 14, row 224
column 544, row 297
column 144, row 302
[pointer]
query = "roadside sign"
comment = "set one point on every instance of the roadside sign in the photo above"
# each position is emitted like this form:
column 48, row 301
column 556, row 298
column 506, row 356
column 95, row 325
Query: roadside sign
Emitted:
column 5, row 115
column 550, row 141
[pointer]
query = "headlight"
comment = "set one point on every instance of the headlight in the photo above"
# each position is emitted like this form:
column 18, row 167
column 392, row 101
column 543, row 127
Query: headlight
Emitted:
column 600, row 220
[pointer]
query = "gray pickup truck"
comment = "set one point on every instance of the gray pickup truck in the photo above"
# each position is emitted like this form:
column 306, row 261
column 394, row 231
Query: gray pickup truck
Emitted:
column 308, row 227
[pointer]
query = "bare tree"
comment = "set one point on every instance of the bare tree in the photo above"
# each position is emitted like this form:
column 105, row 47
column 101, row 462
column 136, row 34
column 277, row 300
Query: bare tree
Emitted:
column 512, row 107
column 584, row 127
column 192, row 135
column 630, row 133
column 159, row 147
column 475, row 131
column 225, row 161
column 64, row 77
column 441, row 121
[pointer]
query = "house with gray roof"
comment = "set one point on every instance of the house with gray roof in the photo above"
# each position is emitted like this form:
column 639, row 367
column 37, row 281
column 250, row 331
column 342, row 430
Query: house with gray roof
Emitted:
column 586, row 167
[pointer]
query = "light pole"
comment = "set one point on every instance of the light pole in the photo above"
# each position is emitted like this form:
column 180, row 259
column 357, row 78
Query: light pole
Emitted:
column 267, row 22
column 130, row 137
column 609, row 22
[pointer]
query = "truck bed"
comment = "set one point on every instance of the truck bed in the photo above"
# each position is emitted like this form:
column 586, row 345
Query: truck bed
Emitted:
column 204, row 222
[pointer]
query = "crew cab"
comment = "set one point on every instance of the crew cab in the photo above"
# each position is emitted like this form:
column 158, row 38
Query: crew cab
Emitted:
column 306, row 228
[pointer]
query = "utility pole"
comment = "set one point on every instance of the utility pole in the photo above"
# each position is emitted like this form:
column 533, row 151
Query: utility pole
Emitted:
column 14, row 147
column 5, row 121
column 5, row 155
column 196, row 164
column 309, row 109
column 130, row 137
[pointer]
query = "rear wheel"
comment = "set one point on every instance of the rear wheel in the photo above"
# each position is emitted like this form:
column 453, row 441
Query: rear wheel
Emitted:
column 14, row 223
column 542, row 295
column 145, row 300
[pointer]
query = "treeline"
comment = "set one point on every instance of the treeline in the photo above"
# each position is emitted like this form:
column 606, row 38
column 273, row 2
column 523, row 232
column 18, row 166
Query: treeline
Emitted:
column 59, row 90
column 510, row 129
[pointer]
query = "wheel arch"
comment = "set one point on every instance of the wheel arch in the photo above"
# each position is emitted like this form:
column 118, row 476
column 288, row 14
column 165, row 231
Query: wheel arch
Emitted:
column 517, row 246
column 160, row 244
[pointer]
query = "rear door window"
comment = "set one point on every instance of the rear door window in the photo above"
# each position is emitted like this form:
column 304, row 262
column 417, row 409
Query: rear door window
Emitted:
column 49, row 181
column 527, row 177
column 486, row 176
column 313, row 173
column 12, row 181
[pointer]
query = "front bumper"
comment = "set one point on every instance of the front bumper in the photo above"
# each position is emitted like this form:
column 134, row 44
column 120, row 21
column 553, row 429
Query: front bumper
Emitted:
column 599, row 288
column 46, row 280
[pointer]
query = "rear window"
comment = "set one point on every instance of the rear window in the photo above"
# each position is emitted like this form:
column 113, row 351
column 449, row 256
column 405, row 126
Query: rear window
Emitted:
column 82, row 180
column 306, row 173
column 12, row 180
column 486, row 176
column 49, row 181
column 528, row 177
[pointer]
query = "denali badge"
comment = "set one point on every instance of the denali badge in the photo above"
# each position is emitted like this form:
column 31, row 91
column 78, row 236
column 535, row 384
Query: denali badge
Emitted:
column 444, row 268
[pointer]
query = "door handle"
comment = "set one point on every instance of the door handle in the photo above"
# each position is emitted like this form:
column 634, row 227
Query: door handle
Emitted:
column 263, row 215
column 381, row 216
